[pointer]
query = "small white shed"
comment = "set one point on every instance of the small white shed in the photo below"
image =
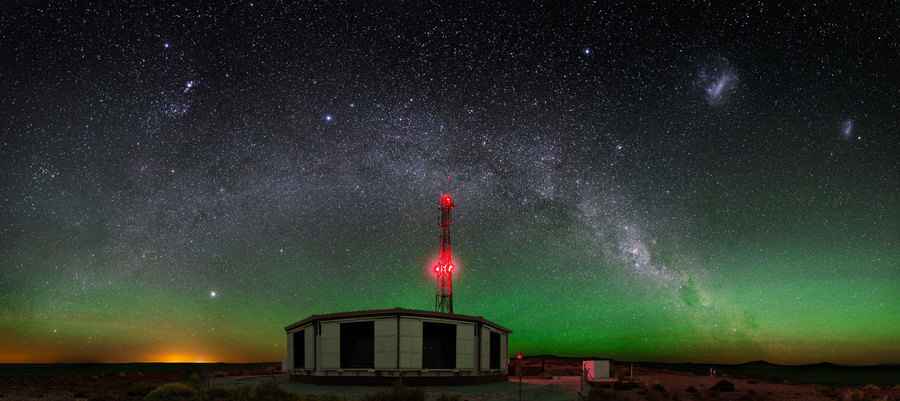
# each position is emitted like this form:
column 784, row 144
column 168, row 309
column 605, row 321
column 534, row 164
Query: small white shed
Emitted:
column 597, row 371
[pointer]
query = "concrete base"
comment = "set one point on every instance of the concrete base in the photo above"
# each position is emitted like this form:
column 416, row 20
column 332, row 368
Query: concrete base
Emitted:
column 391, row 380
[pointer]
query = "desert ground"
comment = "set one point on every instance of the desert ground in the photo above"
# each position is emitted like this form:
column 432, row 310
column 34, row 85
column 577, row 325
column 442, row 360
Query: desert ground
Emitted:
column 542, row 380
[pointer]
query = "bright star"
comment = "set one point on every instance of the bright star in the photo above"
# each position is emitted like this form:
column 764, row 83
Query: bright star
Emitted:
column 166, row 45
column 329, row 118
column 212, row 294
column 587, row 51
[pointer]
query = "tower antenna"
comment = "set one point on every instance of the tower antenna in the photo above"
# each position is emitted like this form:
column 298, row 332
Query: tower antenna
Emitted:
column 443, row 268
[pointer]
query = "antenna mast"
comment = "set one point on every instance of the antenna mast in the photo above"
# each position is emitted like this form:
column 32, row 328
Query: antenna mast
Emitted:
column 443, row 268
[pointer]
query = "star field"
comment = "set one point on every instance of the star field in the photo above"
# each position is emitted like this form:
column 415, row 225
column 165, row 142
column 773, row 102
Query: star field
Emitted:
column 643, row 182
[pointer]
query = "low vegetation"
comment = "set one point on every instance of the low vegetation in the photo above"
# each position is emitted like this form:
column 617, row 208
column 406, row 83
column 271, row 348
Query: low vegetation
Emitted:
column 397, row 393
column 262, row 392
column 138, row 390
column 602, row 394
column 270, row 391
column 173, row 392
column 659, row 388
column 723, row 386
column 870, row 392
column 752, row 395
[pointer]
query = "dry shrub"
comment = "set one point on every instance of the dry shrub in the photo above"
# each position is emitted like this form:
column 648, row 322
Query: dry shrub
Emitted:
column 397, row 393
column 853, row 394
column 829, row 392
column 216, row 394
column 723, row 386
column 601, row 394
column 172, row 392
column 268, row 391
column 445, row 397
column 322, row 397
column 657, row 396
column 139, row 389
column 709, row 395
column 753, row 396
column 625, row 386
column 656, row 392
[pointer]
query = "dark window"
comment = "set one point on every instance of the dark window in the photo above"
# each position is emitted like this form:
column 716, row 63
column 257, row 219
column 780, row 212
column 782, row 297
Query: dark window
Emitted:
column 495, row 350
column 438, row 346
column 299, row 349
column 358, row 345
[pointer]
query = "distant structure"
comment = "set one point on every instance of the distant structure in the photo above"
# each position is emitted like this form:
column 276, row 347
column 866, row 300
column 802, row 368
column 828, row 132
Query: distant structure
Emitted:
column 413, row 346
column 387, row 345
column 443, row 268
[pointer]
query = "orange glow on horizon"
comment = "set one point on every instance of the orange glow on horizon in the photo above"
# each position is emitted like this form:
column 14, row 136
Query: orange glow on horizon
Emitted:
column 178, row 357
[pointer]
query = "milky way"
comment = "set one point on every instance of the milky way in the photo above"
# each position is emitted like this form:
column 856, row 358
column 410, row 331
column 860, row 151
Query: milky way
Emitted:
column 704, row 184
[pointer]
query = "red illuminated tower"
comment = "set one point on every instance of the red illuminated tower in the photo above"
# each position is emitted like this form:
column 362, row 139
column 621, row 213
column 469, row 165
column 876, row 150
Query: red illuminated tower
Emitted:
column 443, row 268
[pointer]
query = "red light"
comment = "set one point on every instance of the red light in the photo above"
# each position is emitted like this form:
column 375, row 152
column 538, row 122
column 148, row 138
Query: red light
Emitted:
column 446, row 200
column 443, row 267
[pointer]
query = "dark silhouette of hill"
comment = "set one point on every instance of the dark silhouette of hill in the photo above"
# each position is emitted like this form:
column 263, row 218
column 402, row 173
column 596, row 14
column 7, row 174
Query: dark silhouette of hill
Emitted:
column 818, row 373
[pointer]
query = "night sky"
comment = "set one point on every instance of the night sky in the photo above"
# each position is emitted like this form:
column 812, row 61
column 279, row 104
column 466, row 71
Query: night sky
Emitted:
column 706, row 183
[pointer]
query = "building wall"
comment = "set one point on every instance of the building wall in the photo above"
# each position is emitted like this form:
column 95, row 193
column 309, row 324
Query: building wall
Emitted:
column 310, row 339
column 288, row 363
column 322, row 352
column 410, row 343
column 386, row 343
column 485, row 348
column 330, row 345
column 485, row 356
column 465, row 346
column 504, row 352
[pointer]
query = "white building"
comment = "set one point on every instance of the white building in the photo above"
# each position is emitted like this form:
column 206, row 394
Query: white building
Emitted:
column 374, row 346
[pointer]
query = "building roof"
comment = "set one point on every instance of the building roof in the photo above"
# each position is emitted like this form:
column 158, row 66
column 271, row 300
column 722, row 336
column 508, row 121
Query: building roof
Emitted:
column 396, row 311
